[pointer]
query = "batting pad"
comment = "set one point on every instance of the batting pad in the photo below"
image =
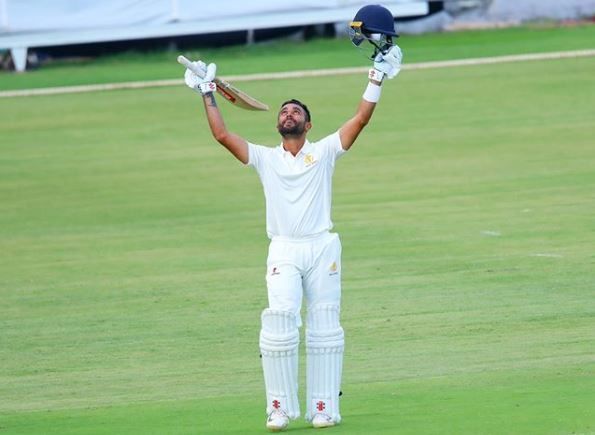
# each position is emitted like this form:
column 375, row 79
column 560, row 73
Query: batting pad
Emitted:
column 279, row 340
column 325, row 342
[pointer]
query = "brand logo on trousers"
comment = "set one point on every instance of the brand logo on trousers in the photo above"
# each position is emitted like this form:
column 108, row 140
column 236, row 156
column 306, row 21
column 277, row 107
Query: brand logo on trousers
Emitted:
column 276, row 404
column 333, row 270
column 275, row 271
column 320, row 406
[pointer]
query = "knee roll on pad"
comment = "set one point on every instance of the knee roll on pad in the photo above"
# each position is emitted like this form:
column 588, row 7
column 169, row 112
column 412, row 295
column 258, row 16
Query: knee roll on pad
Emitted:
column 325, row 342
column 279, row 341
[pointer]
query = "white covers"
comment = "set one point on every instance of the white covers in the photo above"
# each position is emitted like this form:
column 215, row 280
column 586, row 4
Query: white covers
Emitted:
column 42, row 15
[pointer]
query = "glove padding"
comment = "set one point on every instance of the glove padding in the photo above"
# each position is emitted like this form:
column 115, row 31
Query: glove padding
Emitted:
column 389, row 63
column 194, row 80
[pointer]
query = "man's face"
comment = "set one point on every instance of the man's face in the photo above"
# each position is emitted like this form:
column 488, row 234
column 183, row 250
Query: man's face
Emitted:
column 292, row 121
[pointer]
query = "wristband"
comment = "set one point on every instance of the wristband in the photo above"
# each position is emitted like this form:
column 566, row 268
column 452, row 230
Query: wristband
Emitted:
column 375, row 74
column 372, row 93
column 207, row 88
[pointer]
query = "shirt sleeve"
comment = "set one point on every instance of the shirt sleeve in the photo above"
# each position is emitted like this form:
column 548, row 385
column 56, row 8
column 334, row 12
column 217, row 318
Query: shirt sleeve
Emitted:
column 339, row 151
column 333, row 146
column 255, row 155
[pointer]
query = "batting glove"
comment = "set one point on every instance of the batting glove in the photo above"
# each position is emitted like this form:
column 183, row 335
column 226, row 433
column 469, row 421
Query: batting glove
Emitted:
column 201, row 83
column 388, row 64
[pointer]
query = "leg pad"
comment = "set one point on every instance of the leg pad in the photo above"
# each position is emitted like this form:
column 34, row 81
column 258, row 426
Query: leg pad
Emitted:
column 325, row 342
column 279, row 341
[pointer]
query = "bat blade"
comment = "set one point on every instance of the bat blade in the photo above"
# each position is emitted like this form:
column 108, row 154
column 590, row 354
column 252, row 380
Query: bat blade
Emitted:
column 238, row 97
column 225, row 89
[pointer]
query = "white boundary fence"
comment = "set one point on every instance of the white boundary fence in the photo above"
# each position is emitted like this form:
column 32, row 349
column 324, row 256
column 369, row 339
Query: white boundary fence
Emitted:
column 43, row 23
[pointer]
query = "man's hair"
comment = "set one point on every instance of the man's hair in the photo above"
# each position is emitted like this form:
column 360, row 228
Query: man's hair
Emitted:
column 299, row 103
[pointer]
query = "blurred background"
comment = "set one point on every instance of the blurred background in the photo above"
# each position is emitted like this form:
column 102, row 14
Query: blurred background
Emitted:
column 33, row 32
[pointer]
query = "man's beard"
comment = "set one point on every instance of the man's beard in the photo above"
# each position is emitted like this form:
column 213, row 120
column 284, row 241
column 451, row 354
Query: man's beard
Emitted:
column 295, row 130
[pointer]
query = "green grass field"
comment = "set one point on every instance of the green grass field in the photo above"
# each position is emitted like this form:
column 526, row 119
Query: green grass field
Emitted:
column 133, row 252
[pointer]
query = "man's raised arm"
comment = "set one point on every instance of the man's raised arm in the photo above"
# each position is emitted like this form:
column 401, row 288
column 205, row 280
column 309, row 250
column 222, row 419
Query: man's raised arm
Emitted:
column 236, row 145
column 385, row 65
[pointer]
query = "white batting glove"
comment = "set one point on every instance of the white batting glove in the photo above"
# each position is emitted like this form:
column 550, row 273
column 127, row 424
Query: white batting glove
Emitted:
column 201, row 79
column 388, row 64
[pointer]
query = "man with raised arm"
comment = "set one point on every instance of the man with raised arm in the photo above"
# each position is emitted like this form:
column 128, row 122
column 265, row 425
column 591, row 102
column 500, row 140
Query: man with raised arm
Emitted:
column 304, row 257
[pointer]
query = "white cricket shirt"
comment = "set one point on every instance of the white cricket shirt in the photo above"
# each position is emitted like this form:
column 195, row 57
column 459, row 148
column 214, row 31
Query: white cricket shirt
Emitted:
column 297, row 190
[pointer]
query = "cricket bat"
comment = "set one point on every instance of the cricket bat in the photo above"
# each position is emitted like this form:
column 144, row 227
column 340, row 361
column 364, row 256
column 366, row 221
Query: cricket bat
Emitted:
column 227, row 90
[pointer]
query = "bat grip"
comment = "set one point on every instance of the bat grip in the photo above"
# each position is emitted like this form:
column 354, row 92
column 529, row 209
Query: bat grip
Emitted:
column 192, row 66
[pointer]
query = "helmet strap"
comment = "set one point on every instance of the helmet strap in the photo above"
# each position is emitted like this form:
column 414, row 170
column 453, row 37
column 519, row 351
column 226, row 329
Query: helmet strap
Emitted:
column 382, row 46
column 381, row 42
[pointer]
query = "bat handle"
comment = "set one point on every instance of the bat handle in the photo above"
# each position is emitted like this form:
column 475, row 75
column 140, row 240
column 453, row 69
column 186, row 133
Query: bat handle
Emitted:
column 192, row 66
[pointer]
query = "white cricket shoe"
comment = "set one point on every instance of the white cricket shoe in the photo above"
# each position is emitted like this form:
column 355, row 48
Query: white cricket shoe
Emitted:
column 321, row 420
column 277, row 421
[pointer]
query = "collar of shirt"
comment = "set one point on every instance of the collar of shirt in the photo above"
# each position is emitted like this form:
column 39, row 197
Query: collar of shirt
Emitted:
column 302, row 152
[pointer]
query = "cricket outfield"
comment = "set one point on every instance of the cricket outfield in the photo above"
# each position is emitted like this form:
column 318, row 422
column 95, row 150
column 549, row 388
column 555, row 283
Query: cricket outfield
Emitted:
column 133, row 252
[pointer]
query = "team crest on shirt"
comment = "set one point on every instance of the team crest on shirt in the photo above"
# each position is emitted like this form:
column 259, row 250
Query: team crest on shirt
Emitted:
column 309, row 160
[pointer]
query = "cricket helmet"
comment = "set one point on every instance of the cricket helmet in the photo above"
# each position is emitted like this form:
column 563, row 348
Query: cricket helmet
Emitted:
column 376, row 24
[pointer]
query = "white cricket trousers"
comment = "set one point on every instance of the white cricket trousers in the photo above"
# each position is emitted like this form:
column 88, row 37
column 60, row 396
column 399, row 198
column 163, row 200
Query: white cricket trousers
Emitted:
column 309, row 267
